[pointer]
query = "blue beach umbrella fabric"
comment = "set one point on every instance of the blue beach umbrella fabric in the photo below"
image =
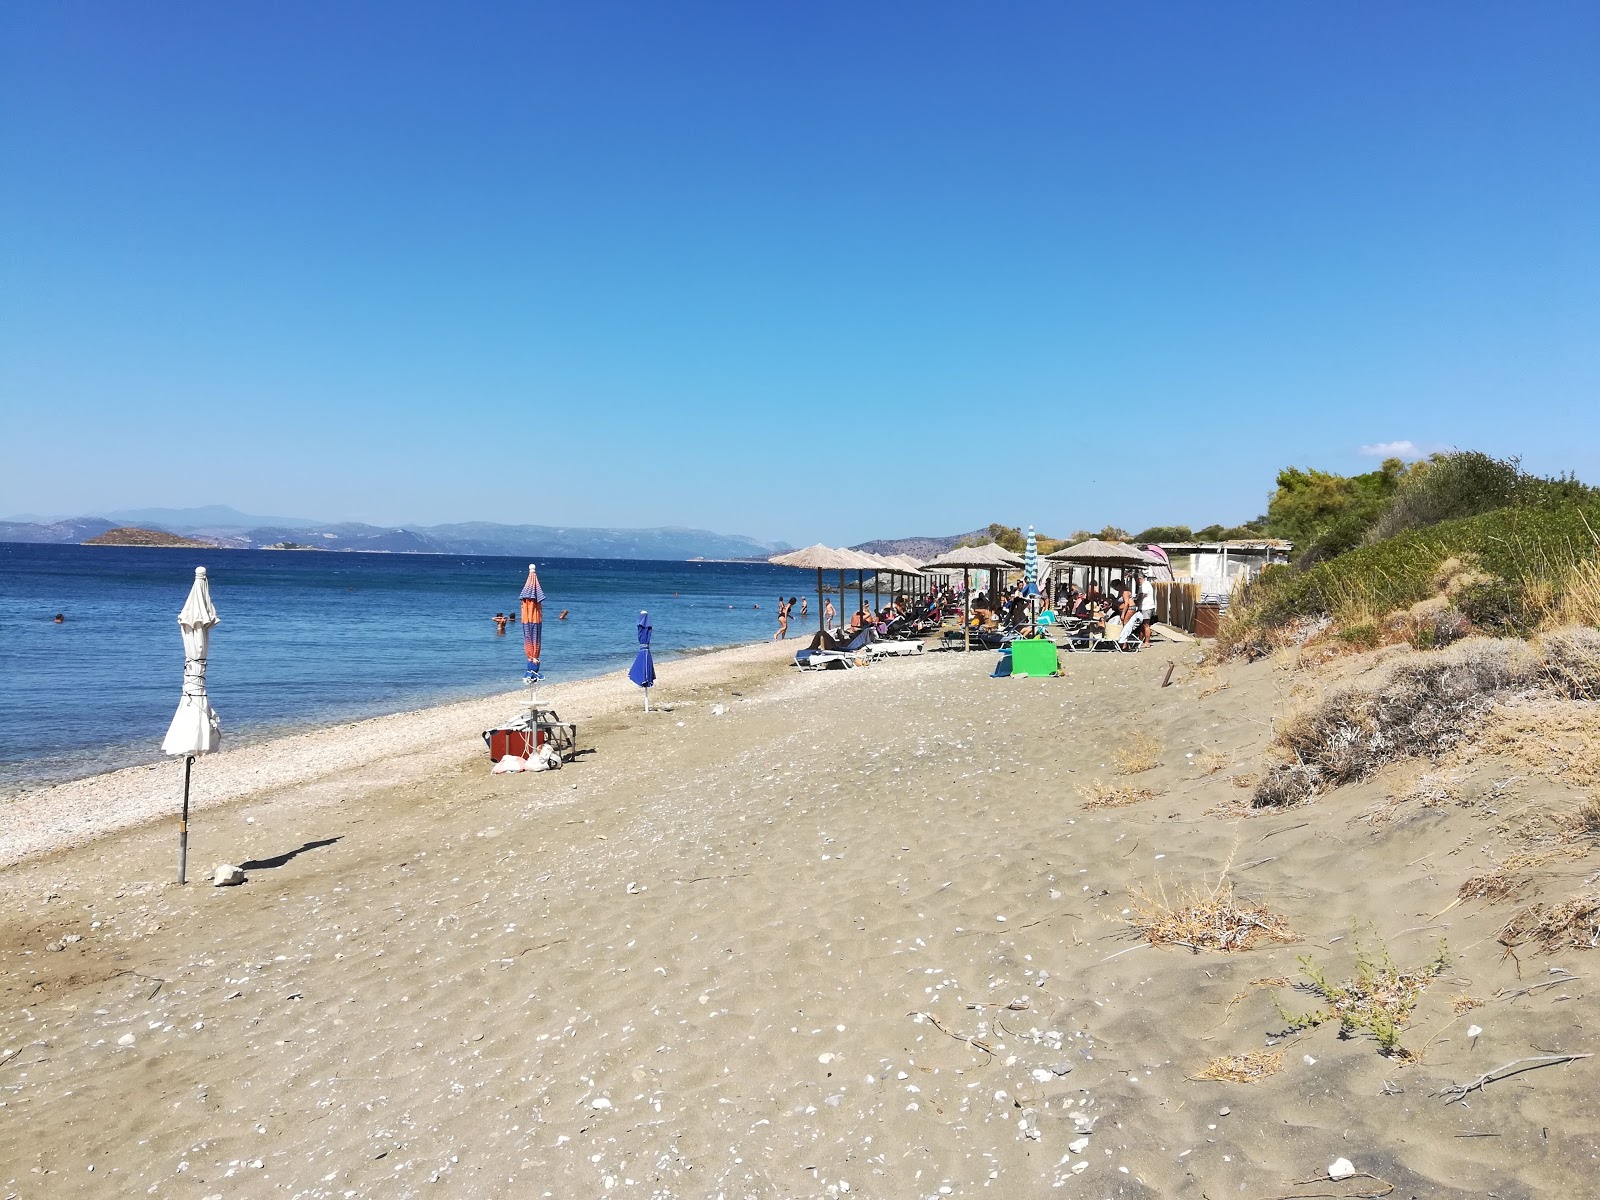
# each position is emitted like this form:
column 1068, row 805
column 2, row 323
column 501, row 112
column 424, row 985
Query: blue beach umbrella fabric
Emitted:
column 533, row 625
column 643, row 671
column 1030, row 565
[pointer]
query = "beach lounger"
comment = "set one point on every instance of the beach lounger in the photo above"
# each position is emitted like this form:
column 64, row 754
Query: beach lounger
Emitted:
column 824, row 658
column 1126, row 640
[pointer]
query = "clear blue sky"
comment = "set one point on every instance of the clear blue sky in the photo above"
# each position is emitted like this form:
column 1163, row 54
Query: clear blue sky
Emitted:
column 742, row 265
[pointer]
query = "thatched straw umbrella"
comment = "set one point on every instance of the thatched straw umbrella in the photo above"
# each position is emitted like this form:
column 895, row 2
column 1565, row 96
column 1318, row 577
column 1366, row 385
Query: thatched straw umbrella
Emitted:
column 823, row 558
column 990, row 557
column 1100, row 555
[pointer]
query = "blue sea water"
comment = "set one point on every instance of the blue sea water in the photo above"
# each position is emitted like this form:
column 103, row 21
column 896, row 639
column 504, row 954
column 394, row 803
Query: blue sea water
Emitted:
column 313, row 637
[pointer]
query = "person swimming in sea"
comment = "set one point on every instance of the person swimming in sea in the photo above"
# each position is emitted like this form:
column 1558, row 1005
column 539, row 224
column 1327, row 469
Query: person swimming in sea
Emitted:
column 563, row 615
column 60, row 618
column 500, row 622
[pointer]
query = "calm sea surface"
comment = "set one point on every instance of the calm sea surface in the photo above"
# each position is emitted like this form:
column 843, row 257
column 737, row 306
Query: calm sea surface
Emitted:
column 308, row 638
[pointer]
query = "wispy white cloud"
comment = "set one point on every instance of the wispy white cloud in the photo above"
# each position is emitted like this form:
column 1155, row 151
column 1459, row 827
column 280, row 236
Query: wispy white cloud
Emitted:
column 1403, row 449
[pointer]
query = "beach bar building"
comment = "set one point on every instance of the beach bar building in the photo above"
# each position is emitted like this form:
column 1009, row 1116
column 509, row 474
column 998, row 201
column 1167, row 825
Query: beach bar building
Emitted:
column 1219, row 567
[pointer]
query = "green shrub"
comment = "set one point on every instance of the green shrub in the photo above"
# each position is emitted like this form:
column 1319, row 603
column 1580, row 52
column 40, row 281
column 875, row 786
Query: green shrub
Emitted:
column 1530, row 550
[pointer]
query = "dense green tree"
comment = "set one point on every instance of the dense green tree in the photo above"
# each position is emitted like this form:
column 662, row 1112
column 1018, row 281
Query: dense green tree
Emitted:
column 1112, row 533
column 1165, row 533
column 1325, row 514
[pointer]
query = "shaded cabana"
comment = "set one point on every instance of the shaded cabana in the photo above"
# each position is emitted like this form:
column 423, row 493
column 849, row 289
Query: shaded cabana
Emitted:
column 991, row 557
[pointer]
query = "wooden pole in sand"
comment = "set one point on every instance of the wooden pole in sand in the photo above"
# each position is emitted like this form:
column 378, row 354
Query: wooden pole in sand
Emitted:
column 820, row 624
column 183, row 823
column 966, row 609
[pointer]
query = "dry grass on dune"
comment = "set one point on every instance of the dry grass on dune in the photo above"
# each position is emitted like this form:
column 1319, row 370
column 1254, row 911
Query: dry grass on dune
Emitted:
column 1242, row 1068
column 1572, row 924
column 1205, row 919
column 1140, row 753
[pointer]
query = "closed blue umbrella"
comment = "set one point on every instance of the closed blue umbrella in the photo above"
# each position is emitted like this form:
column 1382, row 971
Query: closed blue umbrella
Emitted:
column 1030, row 565
column 643, row 671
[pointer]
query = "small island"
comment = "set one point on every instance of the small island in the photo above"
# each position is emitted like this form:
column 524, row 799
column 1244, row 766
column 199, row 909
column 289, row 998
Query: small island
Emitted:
column 292, row 546
column 132, row 536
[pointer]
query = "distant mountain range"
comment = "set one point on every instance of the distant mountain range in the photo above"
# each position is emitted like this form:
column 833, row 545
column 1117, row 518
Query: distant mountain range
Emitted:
column 229, row 528
column 920, row 548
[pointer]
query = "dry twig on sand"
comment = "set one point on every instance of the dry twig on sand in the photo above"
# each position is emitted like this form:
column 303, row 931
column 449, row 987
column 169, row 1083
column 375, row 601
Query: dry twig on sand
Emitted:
column 1457, row 1092
column 977, row 1043
column 1242, row 1068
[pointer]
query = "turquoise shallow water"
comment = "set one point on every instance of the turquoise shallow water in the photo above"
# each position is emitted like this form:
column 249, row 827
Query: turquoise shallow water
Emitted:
column 308, row 638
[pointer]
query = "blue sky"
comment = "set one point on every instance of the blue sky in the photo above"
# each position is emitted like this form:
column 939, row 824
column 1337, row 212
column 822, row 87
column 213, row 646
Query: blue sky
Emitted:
column 824, row 272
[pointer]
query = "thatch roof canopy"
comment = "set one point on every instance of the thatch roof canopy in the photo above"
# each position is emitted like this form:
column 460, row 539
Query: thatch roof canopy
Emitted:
column 825, row 557
column 989, row 557
column 1095, row 553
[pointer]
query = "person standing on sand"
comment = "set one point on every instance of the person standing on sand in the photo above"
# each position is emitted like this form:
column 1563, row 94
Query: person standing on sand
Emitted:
column 783, row 621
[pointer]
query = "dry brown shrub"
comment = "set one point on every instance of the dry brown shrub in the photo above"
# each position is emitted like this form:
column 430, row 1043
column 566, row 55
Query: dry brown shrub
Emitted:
column 1233, row 809
column 1141, row 753
column 1107, row 795
column 1244, row 779
column 1206, row 919
column 1572, row 924
column 1270, row 981
column 1582, row 823
column 1211, row 761
column 1243, row 1068
column 1494, row 886
column 1208, row 692
column 1465, row 1004
column 1420, row 705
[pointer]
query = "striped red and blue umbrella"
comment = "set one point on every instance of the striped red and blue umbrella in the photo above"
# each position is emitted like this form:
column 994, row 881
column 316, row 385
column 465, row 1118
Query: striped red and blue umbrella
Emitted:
column 532, row 623
column 643, row 671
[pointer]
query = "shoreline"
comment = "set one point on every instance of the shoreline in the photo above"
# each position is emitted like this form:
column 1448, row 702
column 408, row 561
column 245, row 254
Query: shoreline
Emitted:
column 28, row 783
column 44, row 819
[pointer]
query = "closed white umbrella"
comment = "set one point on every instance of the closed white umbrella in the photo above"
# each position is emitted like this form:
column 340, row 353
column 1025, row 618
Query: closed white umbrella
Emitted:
column 195, row 729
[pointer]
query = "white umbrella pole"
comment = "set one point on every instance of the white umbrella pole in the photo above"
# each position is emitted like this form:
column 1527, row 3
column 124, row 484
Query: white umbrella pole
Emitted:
column 183, row 823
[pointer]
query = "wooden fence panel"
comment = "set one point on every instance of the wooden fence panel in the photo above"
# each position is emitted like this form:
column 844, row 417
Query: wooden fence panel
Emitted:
column 1175, row 604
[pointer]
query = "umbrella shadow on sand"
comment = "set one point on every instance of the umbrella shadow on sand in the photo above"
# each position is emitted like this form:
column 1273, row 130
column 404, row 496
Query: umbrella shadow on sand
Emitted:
column 278, row 860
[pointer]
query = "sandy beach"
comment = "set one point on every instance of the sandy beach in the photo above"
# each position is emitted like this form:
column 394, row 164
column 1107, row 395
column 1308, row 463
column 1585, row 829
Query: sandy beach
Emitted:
column 857, row 933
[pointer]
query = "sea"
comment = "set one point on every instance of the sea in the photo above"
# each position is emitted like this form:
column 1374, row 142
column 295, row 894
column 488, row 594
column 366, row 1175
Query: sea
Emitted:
column 309, row 638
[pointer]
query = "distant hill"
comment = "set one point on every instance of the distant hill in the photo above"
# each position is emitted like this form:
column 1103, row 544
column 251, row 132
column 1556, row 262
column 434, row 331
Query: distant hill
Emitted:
column 132, row 536
column 920, row 548
column 71, row 531
column 206, row 515
column 241, row 532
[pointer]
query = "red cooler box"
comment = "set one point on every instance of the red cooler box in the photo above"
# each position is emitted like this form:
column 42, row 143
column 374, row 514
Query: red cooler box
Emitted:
column 519, row 743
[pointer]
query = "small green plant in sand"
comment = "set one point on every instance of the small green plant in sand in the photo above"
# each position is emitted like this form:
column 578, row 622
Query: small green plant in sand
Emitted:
column 1201, row 918
column 1141, row 753
column 1377, row 999
column 1107, row 795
